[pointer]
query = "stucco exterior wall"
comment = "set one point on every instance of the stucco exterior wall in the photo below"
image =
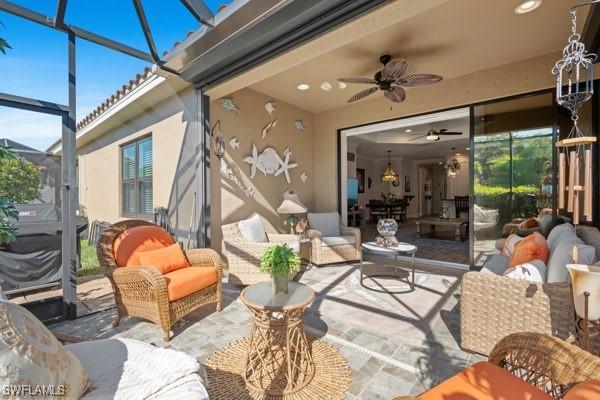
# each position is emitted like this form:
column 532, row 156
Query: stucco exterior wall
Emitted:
column 506, row 80
column 100, row 162
column 230, row 180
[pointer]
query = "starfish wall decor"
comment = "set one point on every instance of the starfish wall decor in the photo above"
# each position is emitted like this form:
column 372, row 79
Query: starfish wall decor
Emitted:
column 269, row 163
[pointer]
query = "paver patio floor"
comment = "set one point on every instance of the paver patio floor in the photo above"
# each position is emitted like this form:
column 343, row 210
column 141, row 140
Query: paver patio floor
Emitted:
column 396, row 342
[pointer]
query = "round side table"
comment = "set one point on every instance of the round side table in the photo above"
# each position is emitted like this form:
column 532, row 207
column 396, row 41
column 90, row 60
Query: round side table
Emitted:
column 395, row 251
column 279, row 360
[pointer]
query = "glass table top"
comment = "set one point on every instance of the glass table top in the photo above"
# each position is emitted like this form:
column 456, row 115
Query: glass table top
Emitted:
column 261, row 295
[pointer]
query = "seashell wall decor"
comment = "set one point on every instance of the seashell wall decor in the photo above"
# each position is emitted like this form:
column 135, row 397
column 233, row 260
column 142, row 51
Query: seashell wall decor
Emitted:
column 267, row 128
column 304, row 177
column 269, row 163
column 299, row 126
column 229, row 105
column 234, row 143
column 270, row 108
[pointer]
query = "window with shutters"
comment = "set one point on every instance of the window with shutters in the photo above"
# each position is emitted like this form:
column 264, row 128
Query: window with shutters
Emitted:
column 136, row 178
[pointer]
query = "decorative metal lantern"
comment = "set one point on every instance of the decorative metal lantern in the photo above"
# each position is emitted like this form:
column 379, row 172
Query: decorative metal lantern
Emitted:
column 574, row 72
column 574, row 86
column 219, row 148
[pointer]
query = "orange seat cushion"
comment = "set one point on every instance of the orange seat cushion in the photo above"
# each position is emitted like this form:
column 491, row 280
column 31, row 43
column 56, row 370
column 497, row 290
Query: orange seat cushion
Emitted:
column 138, row 239
column 166, row 259
column 484, row 381
column 586, row 390
column 185, row 281
column 533, row 247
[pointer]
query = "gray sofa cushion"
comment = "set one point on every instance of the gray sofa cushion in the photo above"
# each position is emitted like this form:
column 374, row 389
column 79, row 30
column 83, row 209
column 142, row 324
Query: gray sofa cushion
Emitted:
column 326, row 223
column 560, row 234
column 563, row 255
column 496, row 265
column 331, row 241
column 590, row 236
column 253, row 229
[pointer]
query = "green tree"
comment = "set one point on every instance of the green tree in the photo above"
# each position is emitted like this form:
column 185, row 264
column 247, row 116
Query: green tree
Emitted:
column 3, row 43
column 7, row 209
column 19, row 180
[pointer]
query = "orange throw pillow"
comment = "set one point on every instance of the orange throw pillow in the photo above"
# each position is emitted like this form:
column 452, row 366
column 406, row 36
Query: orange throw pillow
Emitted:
column 586, row 390
column 138, row 239
column 166, row 260
column 533, row 247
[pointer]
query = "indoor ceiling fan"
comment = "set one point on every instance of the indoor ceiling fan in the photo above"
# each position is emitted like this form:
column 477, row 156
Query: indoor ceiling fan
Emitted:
column 434, row 135
column 391, row 80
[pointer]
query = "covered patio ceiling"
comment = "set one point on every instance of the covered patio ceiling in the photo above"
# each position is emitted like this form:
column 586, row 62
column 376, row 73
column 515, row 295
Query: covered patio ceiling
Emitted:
column 448, row 38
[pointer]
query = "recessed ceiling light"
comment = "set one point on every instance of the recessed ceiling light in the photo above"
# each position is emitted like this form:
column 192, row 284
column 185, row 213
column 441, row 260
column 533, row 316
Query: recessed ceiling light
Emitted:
column 408, row 131
column 458, row 154
column 527, row 6
column 342, row 85
column 303, row 86
column 326, row 86
column 467, row 148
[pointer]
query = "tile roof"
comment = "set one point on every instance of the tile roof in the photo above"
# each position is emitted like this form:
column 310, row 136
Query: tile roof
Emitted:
column 124, row 90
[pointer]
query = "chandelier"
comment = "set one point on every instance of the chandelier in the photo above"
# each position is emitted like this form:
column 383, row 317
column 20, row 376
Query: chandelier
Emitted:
column 452, row 166
column 574, row 86
column 389, row 175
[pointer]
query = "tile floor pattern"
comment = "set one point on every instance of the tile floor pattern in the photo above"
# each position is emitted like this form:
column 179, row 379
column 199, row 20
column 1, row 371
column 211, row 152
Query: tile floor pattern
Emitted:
column 383, row 365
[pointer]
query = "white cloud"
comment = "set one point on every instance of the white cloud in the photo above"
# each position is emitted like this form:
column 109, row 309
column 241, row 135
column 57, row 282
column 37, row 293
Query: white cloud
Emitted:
column 29, row 128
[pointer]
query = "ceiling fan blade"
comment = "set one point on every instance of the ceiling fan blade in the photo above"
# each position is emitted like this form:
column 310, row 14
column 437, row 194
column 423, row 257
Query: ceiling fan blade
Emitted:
column 395, row 94
column 394, row 69
column 363, row 94
column 449, row 133
column 419, row 79
column 357, row 80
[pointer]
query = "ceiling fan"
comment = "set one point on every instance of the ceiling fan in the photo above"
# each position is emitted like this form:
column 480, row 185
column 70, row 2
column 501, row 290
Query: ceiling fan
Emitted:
column 434, row 135
column 391, row 80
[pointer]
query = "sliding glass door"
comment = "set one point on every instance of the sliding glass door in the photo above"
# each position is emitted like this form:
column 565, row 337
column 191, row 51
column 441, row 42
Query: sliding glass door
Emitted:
column 512, row 150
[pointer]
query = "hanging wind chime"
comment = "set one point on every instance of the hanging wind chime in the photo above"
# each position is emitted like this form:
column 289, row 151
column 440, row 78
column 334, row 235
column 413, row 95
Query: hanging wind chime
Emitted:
column 574, row 86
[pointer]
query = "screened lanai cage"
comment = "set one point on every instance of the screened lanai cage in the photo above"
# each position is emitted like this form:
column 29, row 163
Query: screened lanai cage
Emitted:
column 224, row 38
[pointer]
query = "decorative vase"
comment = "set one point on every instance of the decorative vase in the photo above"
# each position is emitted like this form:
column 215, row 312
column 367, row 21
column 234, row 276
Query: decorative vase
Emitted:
column 387, row 227
column 586, row 278
column 279, row 283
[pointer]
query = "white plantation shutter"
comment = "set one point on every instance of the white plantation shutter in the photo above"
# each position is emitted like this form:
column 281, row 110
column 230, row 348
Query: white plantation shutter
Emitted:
column 137, row 178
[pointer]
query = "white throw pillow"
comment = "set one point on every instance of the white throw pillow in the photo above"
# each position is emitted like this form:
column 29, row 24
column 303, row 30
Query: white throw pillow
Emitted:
column 563, row 255
column 31, row 355
column 534, row 271
column 253, row 229
column 326, row 223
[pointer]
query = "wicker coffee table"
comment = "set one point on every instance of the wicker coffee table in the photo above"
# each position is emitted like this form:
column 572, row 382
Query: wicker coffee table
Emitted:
column 279, row 359
column 395, row 251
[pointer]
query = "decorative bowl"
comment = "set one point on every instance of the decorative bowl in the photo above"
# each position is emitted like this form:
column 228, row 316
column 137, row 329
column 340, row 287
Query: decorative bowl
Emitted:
column 387, row 227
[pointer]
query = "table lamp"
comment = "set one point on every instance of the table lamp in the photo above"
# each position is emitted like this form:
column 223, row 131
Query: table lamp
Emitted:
column 291, row 206
column 585, row 281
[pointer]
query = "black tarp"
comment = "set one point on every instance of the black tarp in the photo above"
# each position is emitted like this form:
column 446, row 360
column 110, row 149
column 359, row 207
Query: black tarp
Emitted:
column 33, row 260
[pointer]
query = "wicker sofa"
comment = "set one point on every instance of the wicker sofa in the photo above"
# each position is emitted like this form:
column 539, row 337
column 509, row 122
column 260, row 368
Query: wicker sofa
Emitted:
column 331, row 241
column 143, row 292
column 243, row 255
column 493, row 306
column 547, row 367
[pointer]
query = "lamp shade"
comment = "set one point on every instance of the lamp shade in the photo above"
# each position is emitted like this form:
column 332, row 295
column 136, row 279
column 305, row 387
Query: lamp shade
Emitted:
column 586, row 278
column 291, row 204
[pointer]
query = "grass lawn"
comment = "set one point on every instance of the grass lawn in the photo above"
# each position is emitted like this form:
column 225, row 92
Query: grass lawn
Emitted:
column 89, row 261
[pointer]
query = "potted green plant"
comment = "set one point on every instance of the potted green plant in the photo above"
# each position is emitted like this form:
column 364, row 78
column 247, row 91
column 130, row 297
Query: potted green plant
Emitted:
column 280, row 262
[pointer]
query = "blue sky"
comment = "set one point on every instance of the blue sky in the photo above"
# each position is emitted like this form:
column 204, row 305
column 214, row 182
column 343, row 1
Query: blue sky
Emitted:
column 36, row 65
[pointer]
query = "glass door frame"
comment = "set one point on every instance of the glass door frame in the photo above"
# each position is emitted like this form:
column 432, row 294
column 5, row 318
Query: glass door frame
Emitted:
column 555, row 133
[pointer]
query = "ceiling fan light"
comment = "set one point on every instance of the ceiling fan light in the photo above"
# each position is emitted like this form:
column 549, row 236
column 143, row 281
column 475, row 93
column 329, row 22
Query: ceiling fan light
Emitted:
column 342, row 85
column 432, row 138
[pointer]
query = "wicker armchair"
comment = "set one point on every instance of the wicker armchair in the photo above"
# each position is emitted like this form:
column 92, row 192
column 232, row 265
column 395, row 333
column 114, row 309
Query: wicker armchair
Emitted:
column 331, row 249
column 552, row 365
column 142, row 291
column 243, row 255
column 492, row 307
